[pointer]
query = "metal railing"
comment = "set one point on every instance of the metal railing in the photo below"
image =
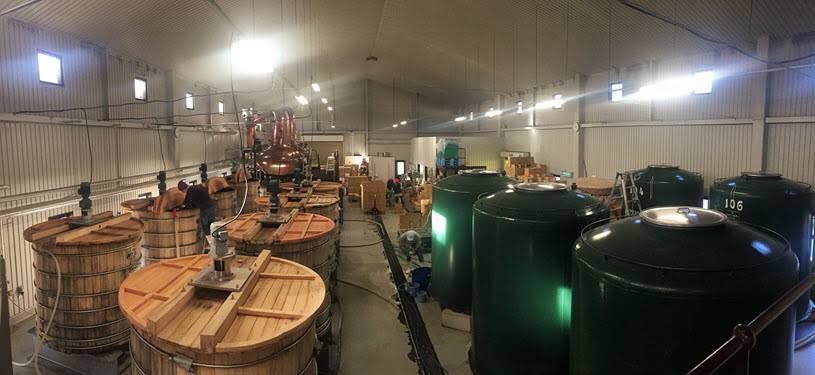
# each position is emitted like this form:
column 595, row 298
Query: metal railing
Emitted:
column 744, row 336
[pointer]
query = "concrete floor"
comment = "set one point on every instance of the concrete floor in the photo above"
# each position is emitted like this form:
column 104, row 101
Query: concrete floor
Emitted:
column 373, row 339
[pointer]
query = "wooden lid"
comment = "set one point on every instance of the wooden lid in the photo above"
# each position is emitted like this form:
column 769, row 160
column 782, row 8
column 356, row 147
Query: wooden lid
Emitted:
column 315, row 200
column 139, row 204
column 302, row 227
column 596, row 185
column 112, row 230
column 279, row 298
column 318, row 186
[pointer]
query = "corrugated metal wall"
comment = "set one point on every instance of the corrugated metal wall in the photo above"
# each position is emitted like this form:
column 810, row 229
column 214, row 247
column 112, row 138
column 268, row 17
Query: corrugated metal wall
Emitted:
column 714, row 151
column 553, row 147
column 791, row 150
column 82, row 65
column 42, row 160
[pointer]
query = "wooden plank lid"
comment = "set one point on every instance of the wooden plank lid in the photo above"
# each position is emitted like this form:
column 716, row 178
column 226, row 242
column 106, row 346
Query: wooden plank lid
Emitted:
column 301, row 228
column 315, row 200
column 112, row 229
column 281, row 297
column 593, row 185
column 319, row 186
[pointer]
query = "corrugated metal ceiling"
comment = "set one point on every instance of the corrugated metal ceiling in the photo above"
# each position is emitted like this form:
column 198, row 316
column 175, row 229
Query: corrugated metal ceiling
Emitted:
column 450, row 50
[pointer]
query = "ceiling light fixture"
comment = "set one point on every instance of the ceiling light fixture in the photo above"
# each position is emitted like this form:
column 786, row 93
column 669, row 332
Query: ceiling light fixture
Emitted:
column 324, row 100
column 403, row 122
column 395, row 125
column 252, row 56
column 330, row 108
column 301, row 99
column 315, row 87
column 461, row 118
column 493, row 112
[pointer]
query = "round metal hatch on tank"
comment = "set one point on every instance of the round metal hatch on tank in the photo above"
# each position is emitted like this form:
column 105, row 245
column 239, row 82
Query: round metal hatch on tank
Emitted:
column 452, row 215
column 658, row 292
column 667, row 185
column 522, row 243
column 774, row 202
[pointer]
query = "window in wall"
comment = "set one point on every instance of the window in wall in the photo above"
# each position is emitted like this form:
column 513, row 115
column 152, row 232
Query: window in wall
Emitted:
column 400, row 167
column 189, row 100
column 557, row 101
column 221, row 108
column 703, row 82
column 140, row 88
column 615, row 93
column 50, row 68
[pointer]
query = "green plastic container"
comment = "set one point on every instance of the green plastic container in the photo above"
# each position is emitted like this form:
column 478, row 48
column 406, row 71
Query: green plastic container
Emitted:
column 522, row 243
column 667, row 185
column 452, row 218
column 770, row 201
column 658, row 292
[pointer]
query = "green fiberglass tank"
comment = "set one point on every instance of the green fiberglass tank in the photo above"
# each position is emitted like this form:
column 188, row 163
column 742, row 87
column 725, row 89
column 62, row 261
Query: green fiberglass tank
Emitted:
column 770, row 201
column 522, row 243
column 658, row 292
column 452, row 218
column 667, row 185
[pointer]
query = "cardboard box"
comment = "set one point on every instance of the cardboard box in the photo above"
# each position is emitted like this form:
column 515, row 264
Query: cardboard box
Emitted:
column 522, row 160
column 425, row 206
column 411, row 220
column 373, row 196
column 353, row 183
column 426, row 192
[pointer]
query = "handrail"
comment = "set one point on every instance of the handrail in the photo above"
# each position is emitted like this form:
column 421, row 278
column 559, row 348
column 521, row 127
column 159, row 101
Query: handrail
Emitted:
column 744, row 336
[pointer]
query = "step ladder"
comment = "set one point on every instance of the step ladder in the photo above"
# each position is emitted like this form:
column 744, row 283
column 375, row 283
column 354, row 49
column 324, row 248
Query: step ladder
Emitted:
column 625, row 190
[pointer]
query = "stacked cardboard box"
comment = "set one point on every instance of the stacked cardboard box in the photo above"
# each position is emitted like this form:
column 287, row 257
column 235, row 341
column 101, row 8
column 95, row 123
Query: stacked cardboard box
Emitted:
column 411, row 220
column 517, row 165
column 353, row 183
column 373, row 196
column 538, row 173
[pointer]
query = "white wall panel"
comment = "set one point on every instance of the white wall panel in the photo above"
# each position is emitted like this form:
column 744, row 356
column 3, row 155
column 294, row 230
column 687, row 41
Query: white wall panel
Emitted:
column 714, row 151
column 423, row 151
column 482, row 151
column 553, row 147
column 20, row 88
column 517, row 141
column 599, row 109
column 731, row 93
column 792, row 92
column 791, row 151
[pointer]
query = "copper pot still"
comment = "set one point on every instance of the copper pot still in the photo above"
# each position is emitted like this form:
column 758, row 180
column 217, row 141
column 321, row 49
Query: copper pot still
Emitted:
column 282, row 155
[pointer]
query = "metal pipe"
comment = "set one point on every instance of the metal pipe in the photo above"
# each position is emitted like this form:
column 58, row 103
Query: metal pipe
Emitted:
column 744, row 336
column 70, row 200
column 9, row 198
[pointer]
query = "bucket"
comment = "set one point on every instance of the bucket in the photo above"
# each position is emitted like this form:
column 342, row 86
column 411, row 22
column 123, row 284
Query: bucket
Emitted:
column 421, row 276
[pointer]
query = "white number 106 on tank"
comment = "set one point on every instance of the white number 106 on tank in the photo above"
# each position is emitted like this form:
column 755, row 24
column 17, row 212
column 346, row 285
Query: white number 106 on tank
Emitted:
column 733, row 204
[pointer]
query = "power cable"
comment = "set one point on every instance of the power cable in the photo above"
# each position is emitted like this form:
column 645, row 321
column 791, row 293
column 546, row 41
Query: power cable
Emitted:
column 708, row 38
column 141, row 102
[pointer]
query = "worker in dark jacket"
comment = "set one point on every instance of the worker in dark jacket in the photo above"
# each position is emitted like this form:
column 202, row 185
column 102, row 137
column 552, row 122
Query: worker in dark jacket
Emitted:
column 198, row 197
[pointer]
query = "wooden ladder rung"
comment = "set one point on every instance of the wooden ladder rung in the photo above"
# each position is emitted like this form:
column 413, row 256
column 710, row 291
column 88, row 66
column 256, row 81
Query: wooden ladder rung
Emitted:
column 242, row 310
column 285, row 276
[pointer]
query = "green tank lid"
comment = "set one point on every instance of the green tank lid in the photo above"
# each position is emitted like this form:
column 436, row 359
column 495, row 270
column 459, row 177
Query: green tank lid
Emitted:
column 663, row 241
column 540, row 202
column 668, row 185
column 475, row 180
column 761, row 183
